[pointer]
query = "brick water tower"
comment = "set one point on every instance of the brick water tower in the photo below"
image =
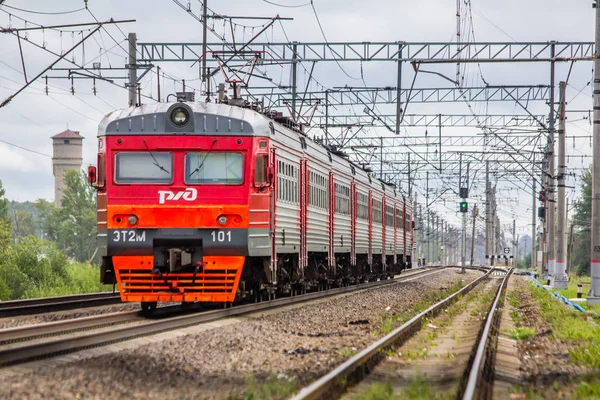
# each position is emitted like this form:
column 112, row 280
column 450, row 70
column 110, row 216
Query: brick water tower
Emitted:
column 66, row 155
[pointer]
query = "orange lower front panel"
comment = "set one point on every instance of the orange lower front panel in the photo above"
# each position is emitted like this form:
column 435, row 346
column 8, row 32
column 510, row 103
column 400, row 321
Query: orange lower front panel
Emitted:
column 216, row 282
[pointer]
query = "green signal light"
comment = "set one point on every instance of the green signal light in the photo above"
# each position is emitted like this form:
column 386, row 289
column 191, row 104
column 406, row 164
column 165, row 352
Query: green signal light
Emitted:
column 464, row 206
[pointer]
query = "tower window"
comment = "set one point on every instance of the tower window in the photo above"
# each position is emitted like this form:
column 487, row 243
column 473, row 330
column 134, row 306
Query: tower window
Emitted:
column 66, row 141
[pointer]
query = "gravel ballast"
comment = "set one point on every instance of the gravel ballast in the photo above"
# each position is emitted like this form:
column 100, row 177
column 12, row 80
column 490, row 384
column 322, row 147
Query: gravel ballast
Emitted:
column 297, row 345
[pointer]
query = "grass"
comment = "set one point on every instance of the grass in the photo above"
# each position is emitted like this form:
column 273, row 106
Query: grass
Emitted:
column 585, row 387
column 516, row 317
column 522, row 333
column 379, row 391
column 589, row 387
column 419, row 388
column 570, row 326
column 272, row 388
column 513, row 300
column 571, row 291
column 347, row 351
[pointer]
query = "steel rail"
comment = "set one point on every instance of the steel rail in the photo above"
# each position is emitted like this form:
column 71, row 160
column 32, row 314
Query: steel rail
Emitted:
column 40, row 305
column 15, row 354
column 334, row 383
column 482, row 367
column 30, row 332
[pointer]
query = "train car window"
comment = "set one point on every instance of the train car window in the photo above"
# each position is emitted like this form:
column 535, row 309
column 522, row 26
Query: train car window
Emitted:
column 318, row 197
column 399, row 222
column 363, row 209
column 260, row 172
column 279, row 181
column 377, row 217
column 389, row 216
column 143, row 168
column 342, row 199
column 212, row 168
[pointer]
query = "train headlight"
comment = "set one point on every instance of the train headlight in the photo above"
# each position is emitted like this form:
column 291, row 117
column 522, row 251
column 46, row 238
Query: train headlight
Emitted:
column 180, row 116
column 222, row 220
column 132, row 220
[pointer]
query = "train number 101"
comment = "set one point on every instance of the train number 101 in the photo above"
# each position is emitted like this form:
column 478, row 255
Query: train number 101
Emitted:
column 221, row 236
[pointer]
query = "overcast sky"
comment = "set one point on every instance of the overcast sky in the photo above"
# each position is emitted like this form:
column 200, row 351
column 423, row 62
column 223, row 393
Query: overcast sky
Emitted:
column 32, row 117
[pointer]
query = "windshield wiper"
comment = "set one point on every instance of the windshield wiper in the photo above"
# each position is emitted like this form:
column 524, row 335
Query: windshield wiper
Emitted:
column 155, row 160
column 199, row 167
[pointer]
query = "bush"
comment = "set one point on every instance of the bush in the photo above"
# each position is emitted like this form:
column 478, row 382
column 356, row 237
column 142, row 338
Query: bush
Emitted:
column 4, row 290
column 85, row 278
column 16, row 281
column 36, row 268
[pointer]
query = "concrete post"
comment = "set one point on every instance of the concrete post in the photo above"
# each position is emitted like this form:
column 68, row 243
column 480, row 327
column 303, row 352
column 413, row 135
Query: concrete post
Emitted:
column 551, row 209
column 594, row 294
column 132, row 38
column 560, row 279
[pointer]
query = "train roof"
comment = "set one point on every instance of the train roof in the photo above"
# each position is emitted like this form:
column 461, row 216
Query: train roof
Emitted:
column 219, row 118
column 151, row 119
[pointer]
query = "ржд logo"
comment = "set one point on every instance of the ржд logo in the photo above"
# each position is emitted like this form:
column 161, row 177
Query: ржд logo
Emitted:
column 189, row 194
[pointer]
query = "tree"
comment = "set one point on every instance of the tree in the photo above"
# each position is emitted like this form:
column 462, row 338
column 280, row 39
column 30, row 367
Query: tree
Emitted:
column 22, row 223
column 75, row 220
column 5, row 238
column 3, row 205
column 583, row 220
column 47, row 220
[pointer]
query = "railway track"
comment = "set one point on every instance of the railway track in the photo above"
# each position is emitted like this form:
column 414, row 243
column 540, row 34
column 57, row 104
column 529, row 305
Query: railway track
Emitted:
column 49, row 304
column 477, row 382
column 22, row 344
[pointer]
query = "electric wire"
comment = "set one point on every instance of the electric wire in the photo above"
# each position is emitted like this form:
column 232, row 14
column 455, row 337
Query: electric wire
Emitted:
column 43, row 12
column 25, row 148
column 287, row 5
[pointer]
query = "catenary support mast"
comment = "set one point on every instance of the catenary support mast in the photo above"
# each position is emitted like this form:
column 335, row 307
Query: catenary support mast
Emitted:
column 594, row 294
column 560, row 280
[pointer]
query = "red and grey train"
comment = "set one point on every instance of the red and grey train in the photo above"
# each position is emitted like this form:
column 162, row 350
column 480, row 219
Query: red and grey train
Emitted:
column 206, row 202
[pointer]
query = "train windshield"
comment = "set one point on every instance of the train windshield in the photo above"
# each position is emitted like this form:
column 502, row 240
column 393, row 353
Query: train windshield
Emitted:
column 214, row 168
column 144, row 167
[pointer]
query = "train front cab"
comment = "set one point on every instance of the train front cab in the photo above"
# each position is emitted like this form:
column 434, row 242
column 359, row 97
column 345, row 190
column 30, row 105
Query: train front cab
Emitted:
column 179, row 211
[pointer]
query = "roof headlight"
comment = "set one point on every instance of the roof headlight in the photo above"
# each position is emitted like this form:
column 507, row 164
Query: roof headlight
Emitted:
column 180, row 116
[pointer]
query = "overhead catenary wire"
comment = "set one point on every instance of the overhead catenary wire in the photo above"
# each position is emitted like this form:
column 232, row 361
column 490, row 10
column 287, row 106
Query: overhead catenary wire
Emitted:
column 287, row 5
column 43, row 12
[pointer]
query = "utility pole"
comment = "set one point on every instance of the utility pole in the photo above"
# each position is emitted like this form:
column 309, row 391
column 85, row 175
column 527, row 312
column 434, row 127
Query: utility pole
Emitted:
column 439, row 241
column 421, row 235
column 204, row 39
column 132, row 38
column 570, row 250
column 514, row 240
column 428, row 256
column 294, row 80
column 594, row 294
column 533, row 224
column 488, row 214
column 560, row 279
column 550, row 173
column 475, row 212
column 464, row 242
column 158, row 81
